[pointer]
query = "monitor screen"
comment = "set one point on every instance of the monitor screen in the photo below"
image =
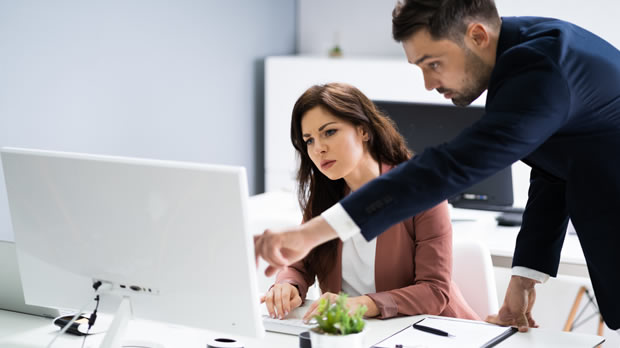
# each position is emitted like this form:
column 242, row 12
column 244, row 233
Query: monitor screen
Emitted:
column 169, row 238
column 425, row 125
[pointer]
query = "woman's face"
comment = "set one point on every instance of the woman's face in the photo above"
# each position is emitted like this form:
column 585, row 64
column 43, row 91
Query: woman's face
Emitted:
column 335, row 146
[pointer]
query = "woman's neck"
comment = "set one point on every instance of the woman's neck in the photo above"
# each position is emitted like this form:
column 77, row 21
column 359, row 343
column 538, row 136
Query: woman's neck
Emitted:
column 367, row 170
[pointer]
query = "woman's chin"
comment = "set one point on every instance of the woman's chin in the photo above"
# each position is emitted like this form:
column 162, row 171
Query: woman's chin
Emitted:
column 332, row 176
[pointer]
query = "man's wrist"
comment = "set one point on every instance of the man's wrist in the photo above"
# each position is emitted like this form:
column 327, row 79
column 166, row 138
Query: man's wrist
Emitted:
column 340, row 221
column 318, row 231
column 525, row 283
column 530, row 273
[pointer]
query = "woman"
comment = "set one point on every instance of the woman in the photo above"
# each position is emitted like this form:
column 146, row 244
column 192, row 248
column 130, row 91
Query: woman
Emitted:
column 343, row 142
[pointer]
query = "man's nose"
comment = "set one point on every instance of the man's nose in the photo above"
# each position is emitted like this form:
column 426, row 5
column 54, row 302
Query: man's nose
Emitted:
column 430, row 83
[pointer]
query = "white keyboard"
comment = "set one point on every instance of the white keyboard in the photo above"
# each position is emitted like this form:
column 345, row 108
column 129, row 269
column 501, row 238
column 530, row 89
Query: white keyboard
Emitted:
column 293, row 326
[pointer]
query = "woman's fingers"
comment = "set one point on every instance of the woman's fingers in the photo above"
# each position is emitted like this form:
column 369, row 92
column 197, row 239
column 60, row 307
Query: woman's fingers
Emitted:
column 286, row 300
column 277, row 300
column 310, row 312
column 269, row 303
column 295, row 302
column 281, row 299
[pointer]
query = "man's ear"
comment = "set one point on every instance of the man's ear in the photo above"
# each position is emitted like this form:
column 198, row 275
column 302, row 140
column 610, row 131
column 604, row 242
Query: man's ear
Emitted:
column 478, row 35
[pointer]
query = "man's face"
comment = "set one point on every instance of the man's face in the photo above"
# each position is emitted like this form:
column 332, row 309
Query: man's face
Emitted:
column 452, row 69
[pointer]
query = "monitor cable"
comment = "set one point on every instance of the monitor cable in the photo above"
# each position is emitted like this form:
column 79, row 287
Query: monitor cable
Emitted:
column 91, row 320
column 93, row 317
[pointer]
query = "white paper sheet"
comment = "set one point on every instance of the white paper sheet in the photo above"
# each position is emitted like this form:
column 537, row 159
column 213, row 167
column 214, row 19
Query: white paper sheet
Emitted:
column 463, row 333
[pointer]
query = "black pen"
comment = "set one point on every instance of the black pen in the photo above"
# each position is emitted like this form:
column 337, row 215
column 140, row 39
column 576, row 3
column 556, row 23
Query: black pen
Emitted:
column 430, row 330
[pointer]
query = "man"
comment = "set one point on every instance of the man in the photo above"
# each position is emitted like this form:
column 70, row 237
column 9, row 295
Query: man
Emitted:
column 553, row 101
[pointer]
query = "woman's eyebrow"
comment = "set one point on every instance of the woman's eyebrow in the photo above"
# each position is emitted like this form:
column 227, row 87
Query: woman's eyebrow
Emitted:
column 320, row 128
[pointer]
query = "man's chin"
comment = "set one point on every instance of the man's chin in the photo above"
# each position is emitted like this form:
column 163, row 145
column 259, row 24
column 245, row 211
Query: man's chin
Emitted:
column 461, row 102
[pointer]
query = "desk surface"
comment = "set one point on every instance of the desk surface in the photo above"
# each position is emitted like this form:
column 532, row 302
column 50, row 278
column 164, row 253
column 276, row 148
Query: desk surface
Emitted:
column 470, row 224
column 24, row 331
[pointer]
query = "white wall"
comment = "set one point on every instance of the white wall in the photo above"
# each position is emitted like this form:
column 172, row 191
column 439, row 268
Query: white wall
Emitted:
column 364, row 27
column 360, row 27
column 176, row 80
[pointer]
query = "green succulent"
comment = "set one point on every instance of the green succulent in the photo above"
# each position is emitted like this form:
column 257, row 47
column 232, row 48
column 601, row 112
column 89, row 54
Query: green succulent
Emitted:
column 334, row 317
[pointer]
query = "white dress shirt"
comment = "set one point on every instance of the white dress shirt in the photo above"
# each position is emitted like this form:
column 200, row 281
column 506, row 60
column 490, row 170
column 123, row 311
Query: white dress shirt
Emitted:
column 358, row 265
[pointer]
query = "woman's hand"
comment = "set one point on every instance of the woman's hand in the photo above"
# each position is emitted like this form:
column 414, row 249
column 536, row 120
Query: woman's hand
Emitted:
column 352, row 302
column 281, row 299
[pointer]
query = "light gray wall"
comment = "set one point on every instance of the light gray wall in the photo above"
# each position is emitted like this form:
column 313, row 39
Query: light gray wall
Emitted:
column 177, row 80
column 359, row 27
column 364, row 27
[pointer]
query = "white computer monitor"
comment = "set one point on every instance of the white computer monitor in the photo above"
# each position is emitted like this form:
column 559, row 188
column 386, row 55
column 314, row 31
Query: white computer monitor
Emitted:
column 171, row 238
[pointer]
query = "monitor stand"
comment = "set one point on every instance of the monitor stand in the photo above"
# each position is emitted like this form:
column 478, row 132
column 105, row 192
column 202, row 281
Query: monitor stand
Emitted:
column 116, row 332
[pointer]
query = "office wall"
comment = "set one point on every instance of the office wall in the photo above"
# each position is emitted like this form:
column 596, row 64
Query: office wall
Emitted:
column 363, row 27
column 175, row 80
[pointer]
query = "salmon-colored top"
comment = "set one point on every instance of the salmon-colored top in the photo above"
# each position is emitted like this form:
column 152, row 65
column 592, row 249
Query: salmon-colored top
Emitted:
column 413, row 269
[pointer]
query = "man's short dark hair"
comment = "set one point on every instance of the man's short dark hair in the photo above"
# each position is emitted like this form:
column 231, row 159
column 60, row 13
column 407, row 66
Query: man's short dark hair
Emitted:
column 444, row 19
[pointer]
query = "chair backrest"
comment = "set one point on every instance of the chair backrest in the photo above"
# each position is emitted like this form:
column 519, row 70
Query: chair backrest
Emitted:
column 472, row 271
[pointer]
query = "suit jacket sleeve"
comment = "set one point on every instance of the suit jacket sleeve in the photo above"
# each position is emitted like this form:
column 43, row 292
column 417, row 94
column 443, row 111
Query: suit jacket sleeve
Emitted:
column 528, row 103
column 429, row 293
column 541, row 237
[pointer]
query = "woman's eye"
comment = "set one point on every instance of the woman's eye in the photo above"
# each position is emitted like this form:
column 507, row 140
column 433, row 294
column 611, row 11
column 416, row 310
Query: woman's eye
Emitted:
column 309, row 141
column 330, row 132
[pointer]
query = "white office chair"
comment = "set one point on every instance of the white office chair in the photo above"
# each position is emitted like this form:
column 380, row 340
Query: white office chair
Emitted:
column 472, row 271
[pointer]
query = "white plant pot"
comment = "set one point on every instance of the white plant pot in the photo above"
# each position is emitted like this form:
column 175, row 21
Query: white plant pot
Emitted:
column 337, row 341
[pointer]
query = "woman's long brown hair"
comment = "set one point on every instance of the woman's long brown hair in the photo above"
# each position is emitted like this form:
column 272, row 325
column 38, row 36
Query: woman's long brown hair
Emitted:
column 316, row 192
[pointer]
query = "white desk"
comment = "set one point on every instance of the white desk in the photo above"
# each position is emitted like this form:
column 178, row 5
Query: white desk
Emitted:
column 24, row 331
column 481, row 225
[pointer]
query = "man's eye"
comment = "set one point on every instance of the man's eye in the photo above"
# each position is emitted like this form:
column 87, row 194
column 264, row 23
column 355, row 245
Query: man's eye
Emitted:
column 434, row 65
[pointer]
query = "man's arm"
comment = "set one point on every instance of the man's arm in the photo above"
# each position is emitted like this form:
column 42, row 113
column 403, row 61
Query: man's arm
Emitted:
column 545, row 220
column 537, row 252
column 527, row 106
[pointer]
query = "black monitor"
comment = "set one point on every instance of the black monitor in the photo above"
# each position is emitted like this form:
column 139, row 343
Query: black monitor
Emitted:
column 425, row 125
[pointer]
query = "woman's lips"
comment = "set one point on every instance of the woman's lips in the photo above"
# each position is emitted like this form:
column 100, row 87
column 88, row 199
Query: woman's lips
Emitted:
column 327, row 164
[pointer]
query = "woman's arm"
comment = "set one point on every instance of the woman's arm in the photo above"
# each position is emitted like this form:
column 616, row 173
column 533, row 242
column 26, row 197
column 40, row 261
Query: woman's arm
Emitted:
column 296, row 275
column 286, row 294
column 429, row 292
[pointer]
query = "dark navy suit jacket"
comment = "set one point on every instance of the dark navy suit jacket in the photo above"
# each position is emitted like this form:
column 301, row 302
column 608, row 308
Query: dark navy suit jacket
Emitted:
column 554, row 102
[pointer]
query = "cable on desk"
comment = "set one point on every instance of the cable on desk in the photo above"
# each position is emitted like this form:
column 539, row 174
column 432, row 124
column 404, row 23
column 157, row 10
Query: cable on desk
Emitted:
column 96, row 286
column 91, row 319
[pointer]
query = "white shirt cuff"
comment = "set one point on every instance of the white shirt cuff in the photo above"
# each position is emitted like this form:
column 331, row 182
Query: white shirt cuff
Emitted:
column 530, row 273
column 340, row 221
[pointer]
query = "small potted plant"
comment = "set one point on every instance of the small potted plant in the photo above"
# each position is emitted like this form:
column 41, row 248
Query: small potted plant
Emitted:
column 337, row 326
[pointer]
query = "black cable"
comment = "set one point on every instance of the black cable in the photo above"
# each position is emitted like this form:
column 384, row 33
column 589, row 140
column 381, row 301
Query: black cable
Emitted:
column 93, row 315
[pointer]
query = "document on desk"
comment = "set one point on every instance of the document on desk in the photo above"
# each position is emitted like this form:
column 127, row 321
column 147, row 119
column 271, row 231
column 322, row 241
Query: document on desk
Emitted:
column 460, row 333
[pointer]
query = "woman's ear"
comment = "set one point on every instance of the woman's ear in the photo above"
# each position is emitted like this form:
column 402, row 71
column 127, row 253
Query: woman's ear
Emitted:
column 363, row 132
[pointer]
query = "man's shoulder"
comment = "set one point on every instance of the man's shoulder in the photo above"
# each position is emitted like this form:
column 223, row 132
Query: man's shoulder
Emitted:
column 531, row 43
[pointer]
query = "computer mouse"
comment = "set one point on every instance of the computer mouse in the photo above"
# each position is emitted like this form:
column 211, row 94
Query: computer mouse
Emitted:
column 509, row 219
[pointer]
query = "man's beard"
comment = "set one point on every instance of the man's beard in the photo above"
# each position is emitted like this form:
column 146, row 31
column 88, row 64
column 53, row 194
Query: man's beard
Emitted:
column 478, row 74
